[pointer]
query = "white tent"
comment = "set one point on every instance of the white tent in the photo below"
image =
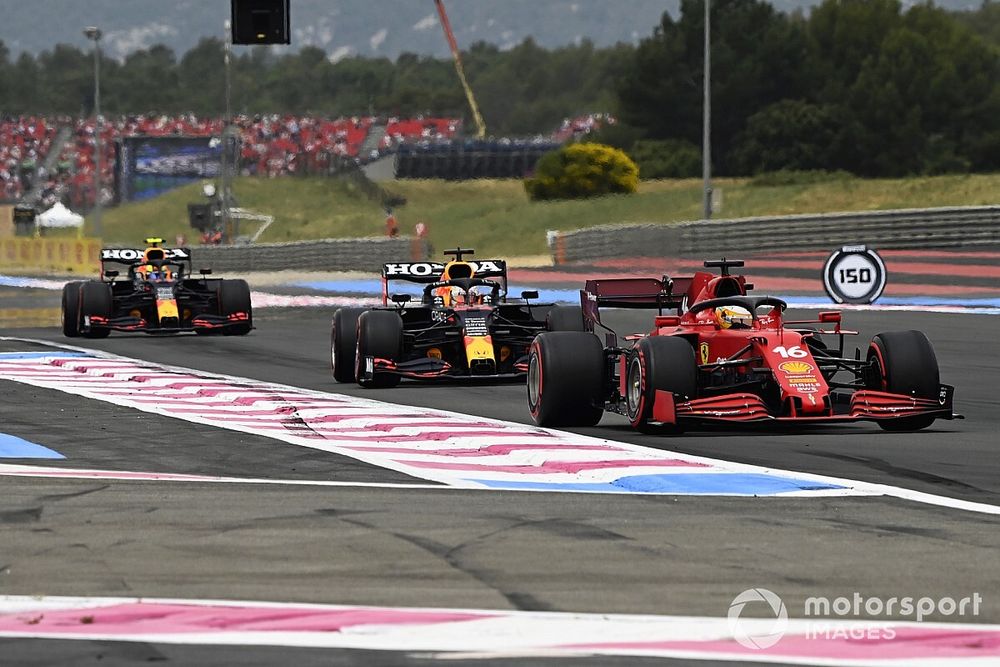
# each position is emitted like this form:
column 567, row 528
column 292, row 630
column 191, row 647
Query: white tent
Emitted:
column 60, row 216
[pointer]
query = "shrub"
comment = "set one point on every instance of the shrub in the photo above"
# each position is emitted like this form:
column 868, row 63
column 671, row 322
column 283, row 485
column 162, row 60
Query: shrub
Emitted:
column 582, row 170
column 670, row 158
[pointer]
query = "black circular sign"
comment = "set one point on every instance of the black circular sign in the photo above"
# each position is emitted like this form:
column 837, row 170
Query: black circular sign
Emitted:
column 854, row 274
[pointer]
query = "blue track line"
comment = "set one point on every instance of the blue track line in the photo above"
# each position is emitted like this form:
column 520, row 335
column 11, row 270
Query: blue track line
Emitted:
column 743, row 484
column 13, row 447
column 374, row 288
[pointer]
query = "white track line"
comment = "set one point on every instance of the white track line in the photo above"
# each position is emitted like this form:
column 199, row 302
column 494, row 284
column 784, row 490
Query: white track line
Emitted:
column 856, row 487
column 480, row 633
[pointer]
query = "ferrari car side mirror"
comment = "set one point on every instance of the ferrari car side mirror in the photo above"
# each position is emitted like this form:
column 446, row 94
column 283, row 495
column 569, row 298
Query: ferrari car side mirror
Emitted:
column 401, row 298
column 529, row 294
column 829, row 316
column 206, row 272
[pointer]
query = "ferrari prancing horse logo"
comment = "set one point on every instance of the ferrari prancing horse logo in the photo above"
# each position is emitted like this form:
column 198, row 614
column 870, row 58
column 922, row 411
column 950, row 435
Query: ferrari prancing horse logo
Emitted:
column 703, row 351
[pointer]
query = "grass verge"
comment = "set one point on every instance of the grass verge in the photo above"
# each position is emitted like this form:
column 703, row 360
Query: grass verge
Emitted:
column 496, row 218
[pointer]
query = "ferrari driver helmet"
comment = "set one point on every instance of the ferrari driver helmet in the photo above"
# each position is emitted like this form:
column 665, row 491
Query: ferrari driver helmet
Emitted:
column 733, row 317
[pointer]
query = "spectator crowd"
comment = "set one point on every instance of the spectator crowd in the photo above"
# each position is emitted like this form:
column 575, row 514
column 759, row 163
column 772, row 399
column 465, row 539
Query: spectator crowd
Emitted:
column 270, row 145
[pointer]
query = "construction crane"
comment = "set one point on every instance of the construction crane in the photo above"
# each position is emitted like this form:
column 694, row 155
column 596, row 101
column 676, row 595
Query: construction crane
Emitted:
column 480, row 125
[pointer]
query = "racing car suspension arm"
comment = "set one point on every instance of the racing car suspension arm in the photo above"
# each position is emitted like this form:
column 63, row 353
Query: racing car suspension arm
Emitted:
column 735, row 359
column 846, row 385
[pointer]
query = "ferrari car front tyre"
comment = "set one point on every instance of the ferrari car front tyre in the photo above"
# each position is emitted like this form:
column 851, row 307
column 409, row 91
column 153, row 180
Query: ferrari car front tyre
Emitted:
column 234, row 297
column 344, row 343
column 903, row 362
column 565, row 318
column 95, row 300
column 656, row 363
column 566, row 379
column 380, row 336
column 70, row 311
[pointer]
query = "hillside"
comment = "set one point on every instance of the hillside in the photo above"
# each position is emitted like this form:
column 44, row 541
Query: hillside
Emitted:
column 496, row 217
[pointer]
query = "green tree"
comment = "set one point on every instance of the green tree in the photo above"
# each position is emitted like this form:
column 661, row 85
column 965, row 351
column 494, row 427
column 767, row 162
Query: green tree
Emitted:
column 201, row 75
column 148, row 80
column 790, row 134
column 757, row 55
column 67, row 84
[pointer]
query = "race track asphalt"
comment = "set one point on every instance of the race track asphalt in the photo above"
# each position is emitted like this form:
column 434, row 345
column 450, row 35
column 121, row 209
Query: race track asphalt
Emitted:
column 480, row 549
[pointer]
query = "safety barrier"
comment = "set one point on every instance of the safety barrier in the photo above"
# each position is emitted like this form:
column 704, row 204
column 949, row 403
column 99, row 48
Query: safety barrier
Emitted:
column 50, row 255
column 904, row 229
column 81, row 256
column 361, row 254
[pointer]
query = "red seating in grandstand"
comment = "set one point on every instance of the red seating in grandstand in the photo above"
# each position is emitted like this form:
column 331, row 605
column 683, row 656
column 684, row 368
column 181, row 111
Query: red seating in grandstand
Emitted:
column 572, row 128
column 399, row 131
column 271, row 145
column 24, row 143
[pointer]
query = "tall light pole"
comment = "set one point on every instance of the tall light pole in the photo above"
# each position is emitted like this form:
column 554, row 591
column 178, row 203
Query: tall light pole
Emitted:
column 230, row 141
column 706, row 121
column 94, row 33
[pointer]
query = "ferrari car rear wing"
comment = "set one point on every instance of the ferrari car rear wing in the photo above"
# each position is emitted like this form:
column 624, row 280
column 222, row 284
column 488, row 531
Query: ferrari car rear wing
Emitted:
column 656, row 293
column 430, row 272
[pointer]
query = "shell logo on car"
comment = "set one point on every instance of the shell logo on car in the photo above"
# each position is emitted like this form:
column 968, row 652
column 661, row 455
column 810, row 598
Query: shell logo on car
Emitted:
column 795, row 367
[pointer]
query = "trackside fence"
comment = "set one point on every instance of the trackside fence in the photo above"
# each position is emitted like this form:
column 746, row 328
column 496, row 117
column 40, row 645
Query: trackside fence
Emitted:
column 949, row 227
column 361, row 254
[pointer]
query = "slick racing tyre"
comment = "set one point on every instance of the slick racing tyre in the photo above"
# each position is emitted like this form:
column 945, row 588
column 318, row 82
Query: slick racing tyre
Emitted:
column 658, row 362
column 380, row 335
column 565, row 318
column 344, row 343
column 903, row 362
column 70, row 311
column 95, row 300
column 234, row 297
column 566, row 379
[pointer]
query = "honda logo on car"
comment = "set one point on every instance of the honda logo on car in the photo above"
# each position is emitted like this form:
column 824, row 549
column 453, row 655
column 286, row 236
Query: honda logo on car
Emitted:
column 415, row 269
column 131, row 254
column 422, row 269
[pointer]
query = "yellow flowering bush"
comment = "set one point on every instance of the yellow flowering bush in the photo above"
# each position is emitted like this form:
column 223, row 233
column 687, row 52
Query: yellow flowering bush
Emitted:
column 577, row 171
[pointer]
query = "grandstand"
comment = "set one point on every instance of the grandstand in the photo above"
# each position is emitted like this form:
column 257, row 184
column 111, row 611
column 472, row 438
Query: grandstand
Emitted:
column 45, row 160
column 24, row 145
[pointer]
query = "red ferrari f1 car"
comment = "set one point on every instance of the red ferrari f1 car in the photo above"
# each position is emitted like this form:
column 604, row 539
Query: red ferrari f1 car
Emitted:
column 725, row 356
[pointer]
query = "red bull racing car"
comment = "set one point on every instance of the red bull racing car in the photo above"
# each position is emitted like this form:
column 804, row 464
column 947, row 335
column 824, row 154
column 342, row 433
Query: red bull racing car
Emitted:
column 725, row 356
column 158, row 294
column 461, row 325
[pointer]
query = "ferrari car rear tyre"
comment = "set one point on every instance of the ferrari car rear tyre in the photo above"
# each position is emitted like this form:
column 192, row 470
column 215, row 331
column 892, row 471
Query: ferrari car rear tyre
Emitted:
column 70, row 311
column 565, row 318
column 234, row 297
column 658, row 363
column 344, row 343
column 566, row 372
column 380, row 335
column 903, row 362
column 95, row 300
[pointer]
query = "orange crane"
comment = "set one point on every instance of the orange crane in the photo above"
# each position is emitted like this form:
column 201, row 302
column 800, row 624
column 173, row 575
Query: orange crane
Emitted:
column 480, row 125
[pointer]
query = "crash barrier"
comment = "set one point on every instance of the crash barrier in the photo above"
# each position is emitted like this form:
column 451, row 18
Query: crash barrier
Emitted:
column 361, row 254
column 50, row 255
column 903, row 229
column 465, row 160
